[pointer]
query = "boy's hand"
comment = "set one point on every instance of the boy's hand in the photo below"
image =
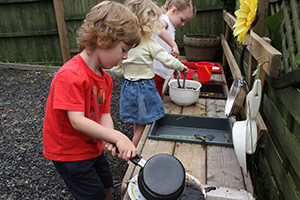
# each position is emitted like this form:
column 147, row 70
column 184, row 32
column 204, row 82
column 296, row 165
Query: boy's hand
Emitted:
column 126, row 148
column 109, row 148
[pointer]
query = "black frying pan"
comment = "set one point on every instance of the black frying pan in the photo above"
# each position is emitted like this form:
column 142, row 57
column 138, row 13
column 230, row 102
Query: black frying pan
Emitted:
column 162, row 177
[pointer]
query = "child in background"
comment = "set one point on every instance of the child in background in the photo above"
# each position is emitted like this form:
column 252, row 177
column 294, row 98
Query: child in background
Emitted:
column 178, row 12
column 140, row 102
column 77, row 120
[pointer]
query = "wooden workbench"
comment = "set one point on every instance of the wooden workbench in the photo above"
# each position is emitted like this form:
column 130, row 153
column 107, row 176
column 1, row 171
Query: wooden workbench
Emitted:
column 211, row 165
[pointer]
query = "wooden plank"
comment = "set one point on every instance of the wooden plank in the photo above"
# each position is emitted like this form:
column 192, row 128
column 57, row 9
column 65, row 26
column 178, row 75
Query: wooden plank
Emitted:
column 132, row 167
column 279, row 172
column 193, row 158
column 170, row 106
column 223, row 158
column 29, row 67
column 290, row 98
column 62, row 29
column 215, row 108
column 18, row 1
column 284, row 136
column 227, row 32
column 296, row 22
column 28, row 34
column 223, row 169
column 196, row 109
column 234, row 68
column 226, row 193
column 265, row 54
column 288, row 32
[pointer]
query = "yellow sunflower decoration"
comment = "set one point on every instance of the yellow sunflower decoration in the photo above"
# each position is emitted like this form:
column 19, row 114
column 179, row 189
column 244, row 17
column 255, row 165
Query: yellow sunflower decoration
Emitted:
column 246, row 15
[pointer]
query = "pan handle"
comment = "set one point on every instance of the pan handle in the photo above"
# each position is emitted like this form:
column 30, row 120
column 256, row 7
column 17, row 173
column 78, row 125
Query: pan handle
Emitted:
column 137, row 160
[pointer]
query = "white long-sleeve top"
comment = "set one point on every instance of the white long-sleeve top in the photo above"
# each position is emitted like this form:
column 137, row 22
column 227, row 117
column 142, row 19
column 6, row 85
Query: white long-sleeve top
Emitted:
column 158, row 67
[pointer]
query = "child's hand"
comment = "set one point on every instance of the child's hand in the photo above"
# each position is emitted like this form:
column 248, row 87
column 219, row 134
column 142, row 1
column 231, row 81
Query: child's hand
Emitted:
column 109, row 148
column 185, row 71
column 175, row 51
column 126, row 148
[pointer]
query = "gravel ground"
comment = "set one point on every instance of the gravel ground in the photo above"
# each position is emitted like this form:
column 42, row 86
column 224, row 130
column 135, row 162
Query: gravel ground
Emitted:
column 24, row 172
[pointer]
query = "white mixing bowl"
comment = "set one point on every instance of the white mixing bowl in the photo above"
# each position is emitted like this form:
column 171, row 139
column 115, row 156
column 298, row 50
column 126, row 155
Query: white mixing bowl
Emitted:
column 186, row 96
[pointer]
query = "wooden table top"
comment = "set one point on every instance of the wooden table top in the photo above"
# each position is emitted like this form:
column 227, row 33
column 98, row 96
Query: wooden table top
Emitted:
column 211, row 165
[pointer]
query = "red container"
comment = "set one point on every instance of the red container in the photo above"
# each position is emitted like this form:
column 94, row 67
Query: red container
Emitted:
column 204, row 70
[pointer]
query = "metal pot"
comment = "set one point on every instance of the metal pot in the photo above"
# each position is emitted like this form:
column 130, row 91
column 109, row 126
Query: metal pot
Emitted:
column 236, row 97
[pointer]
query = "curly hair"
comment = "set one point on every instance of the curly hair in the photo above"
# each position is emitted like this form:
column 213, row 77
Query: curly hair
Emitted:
column 112, row 21
column 148, row 14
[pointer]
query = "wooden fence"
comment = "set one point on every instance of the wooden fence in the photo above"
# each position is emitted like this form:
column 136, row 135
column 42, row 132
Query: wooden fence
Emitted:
column 44, row 31
column 276, row 163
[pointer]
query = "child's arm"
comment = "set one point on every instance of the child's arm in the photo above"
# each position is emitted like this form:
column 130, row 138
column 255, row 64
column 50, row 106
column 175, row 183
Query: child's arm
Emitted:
column 118, row 70
column 103, row 131
column 160, row 54
column 164, row 35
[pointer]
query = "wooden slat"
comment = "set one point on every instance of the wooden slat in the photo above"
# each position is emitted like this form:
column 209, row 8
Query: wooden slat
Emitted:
column 289, row 36
column 226, row 37
column 28, row 34
column 193, row 158
column 170, row 106
column 286, row 139
column 223, row 168
column 279, row 172
column 291, row 99
column 131, row 168
column 29, row 67
column 62, row 29
column 296, row 22
column 234, row 68
column 197, row 109
column 263, row 52
column 219, row 157
column 215, row 108
column 226, row 193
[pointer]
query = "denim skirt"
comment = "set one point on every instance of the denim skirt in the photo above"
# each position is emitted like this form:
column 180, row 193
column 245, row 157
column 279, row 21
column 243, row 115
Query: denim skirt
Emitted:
column 140, row 102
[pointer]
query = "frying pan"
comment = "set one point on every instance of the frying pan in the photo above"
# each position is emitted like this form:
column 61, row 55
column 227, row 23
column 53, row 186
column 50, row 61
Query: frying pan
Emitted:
column 161, row 177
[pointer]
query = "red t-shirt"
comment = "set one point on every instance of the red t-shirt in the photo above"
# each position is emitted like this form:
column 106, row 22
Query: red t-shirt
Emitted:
column 75, row 87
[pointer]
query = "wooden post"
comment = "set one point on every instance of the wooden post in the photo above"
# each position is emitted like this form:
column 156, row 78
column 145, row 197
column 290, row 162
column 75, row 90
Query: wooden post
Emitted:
column 62, row 29
column 260, row 27
column 227, row 31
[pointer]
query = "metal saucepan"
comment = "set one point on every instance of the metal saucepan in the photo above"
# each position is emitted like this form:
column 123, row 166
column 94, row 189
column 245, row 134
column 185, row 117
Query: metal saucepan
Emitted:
column 238, row 91
column 236, row 97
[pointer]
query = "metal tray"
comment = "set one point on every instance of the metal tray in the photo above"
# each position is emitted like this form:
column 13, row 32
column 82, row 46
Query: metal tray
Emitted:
column 209, row 90
column 183, row 128
column 213, row 91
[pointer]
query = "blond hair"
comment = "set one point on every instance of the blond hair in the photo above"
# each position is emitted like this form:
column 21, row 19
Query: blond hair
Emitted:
column 180, row 5
column 148, row 14
column 112, row 21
